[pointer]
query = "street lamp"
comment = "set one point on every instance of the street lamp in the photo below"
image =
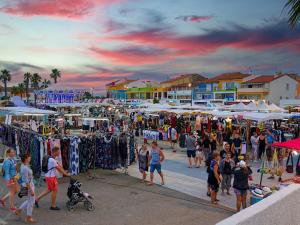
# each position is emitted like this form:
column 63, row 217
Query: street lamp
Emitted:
column 190, row 86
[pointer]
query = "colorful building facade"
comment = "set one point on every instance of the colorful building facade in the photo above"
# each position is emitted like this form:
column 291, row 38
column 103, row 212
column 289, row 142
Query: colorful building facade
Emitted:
column 181, row 88
column 142, row 89
column 118, row 89
column 221, row 87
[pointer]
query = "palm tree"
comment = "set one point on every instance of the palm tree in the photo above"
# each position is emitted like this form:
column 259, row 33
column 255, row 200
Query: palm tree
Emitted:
column 293, row 11
column 45, row 83
column 27, row 79
column 14, row 90
column 21, row 88
column 35, row 84
column 5, row 77
column 55, row 74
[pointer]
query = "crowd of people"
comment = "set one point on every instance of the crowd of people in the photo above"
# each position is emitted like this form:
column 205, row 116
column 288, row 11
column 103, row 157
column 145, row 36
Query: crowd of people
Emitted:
column 227, row 153
column 18, row 178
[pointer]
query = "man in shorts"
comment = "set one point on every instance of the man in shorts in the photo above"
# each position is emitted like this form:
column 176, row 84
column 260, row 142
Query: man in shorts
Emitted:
column 51, row 179
column 191, row 149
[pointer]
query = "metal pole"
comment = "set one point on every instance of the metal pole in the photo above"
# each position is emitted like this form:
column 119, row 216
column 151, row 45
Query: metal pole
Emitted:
column 192, row 97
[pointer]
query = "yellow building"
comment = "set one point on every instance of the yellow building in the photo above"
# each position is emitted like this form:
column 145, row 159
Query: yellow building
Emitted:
column 142, row 89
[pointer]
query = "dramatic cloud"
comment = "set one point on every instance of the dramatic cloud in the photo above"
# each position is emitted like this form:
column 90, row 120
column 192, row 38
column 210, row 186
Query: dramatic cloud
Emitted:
column 252, row 39
column 133, row 55
column 194, row 18
column 73, row 9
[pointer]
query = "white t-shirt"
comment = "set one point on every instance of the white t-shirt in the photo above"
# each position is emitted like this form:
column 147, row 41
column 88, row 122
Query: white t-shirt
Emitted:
column 173, row 134
column 52, row 164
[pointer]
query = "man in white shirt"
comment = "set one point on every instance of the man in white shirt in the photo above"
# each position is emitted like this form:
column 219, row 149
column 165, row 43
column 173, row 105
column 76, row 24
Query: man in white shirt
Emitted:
column 173, row 138
column 51, row 179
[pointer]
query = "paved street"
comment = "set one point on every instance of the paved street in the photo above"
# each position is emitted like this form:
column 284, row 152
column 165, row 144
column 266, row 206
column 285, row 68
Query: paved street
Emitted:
column 123, row 200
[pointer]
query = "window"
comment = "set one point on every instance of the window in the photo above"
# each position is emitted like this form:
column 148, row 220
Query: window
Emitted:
column 280, row 97
column 287, row 87
column 230, row 85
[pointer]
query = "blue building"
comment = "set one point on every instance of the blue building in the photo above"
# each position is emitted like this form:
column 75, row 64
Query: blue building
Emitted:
column 203, row 91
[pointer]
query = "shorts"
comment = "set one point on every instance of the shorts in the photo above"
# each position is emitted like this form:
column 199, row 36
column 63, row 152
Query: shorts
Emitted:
column 52, row 183
column 240, row 192
column 191, row 153
column 9, row 183
column 156, row 167
column 214, row 187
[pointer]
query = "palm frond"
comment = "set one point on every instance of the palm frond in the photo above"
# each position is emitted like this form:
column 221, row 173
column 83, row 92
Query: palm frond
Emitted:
column 293, row 7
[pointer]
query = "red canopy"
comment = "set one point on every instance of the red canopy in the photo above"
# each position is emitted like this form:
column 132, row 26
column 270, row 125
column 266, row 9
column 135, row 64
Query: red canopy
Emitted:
column 292, row 144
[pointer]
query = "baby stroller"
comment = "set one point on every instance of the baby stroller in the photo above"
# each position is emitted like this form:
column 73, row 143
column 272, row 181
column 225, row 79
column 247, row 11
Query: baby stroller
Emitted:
column 75, row 196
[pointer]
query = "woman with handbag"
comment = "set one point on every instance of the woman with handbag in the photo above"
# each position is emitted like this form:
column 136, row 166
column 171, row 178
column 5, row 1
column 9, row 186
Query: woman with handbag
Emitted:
column 10, row 176
column 27, row 188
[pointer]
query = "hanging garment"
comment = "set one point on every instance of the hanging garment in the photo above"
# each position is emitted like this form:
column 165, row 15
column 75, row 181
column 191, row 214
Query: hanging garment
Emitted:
column 123, row 149
column 34, row 151
column 182, row 139
column 132, row 146
column 74, row 155
column 65, row 147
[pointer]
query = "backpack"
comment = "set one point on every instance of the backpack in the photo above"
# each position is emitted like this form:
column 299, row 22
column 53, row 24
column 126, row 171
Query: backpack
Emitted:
column 45, row 163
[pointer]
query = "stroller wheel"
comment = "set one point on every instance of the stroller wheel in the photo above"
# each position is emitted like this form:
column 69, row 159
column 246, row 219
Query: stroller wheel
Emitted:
column 70, row 206
column 89, row 206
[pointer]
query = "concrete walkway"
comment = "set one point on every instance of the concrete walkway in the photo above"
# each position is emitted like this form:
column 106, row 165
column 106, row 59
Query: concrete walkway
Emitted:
column 192, row 181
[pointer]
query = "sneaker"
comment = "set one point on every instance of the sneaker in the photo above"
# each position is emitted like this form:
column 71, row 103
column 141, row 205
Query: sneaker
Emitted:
column 271, row 178
column 13, row 209
column 54, row 208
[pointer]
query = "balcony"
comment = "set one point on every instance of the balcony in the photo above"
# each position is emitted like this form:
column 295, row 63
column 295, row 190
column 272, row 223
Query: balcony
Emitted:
column 225, row 90
column 180, row 93
column 253, row 90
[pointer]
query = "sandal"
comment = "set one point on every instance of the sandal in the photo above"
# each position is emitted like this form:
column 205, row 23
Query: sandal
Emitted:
column 30, row 220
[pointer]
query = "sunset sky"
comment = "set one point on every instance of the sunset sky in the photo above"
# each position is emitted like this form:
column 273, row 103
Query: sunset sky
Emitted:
column 96, row 41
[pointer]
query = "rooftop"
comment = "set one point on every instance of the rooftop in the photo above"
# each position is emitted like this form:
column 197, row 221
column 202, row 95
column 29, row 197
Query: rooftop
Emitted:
column 269, row 78
column 195, row 75
column 261, row 79
column 227, row 76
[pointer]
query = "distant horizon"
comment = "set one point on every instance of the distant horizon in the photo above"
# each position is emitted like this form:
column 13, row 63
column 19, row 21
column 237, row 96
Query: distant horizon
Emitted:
column 94, row 42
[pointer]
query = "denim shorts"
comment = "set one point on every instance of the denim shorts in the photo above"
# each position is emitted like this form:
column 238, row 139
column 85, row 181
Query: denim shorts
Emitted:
column 156, row 167
column 191, row 153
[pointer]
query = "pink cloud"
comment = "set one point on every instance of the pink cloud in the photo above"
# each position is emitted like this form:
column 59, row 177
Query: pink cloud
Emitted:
column 194, row 18
column 133, row 55
column 94, row 79
column 72, row 9
column 252, row 39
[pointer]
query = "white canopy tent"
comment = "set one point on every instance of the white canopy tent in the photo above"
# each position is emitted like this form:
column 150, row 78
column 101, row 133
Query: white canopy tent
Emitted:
column 18, row 111
column 262, row 117
column 238, row 107
column 275, row 108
